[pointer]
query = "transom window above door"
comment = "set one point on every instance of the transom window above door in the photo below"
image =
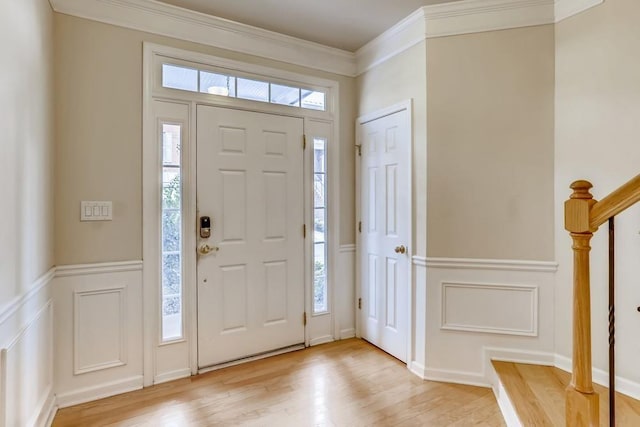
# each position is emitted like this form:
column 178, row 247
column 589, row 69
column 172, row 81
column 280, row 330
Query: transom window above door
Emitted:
column 252, row 88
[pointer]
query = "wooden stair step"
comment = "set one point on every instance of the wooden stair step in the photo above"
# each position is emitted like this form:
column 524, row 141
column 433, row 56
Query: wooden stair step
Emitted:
column 537, row 394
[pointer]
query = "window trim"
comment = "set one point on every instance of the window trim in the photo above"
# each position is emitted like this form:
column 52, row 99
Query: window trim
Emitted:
column 166, row 55
column 325, row 207
column 237, row 78
column 183, row 129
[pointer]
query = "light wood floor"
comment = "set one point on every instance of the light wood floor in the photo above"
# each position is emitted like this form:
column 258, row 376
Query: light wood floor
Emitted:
column 538, row 394
column 347, row 383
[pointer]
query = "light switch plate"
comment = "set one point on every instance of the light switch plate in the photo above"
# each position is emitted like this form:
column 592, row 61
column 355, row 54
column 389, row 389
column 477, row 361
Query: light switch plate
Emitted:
column 96, row 211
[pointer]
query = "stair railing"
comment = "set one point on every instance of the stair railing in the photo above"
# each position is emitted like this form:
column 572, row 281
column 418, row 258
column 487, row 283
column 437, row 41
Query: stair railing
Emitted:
column 583, row 217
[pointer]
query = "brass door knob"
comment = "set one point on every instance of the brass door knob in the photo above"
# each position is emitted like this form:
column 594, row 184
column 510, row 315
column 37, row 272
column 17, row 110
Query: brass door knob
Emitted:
column 205, row 249
column 400, row 249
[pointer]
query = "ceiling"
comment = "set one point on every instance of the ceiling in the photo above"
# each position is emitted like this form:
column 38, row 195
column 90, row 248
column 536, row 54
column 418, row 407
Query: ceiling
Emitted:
column 344, row 24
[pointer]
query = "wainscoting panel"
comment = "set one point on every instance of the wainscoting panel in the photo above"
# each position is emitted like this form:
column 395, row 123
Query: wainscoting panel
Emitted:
column 476, row 304
column 98, row 330
column 507, row 309
column 102, row 310
column 26, row 358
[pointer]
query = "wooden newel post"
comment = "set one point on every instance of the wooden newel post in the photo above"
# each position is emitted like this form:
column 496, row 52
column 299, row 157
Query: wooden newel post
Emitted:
column 582, row 402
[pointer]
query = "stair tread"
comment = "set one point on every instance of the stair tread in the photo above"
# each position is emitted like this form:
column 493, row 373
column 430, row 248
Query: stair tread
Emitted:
column 538, row 395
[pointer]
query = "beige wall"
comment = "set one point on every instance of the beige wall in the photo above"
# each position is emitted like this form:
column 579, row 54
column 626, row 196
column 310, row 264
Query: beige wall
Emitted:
column 99, row 136
column 26, row 161
column 398, row 79
column 490, row 132
column 598, row 139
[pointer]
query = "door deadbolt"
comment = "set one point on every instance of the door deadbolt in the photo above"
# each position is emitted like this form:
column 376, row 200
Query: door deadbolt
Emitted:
column 205, row 227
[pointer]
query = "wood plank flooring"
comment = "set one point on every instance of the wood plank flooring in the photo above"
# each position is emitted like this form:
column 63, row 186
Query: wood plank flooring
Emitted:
column 346, row 383
column 538, row 395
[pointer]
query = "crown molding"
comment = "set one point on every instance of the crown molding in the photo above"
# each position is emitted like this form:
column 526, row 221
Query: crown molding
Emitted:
column 567, row 8
column 465, row 17
column 474, row 16
column 402, row 36
column 447, row 19
column 171, row 21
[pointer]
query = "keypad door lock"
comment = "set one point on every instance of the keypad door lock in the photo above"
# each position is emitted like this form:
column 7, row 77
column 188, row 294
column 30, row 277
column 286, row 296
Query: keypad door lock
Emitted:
column 205, row 227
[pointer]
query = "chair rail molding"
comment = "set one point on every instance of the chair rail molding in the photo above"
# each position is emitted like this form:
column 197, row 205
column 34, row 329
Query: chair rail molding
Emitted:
column 98, row 268
column 491, row 264
column 447, row 19
column 13, row 306
column 623, row 385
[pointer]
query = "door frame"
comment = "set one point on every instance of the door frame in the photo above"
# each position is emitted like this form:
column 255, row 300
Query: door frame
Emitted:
column 155, row 352
column 405, row 106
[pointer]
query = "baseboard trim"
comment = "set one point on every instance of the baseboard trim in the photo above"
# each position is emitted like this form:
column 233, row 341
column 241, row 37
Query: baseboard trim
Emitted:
column 519, row 356
column 347, row 333
column 417, row 369
column 48, row 410
column 456, row 377
column 172, row 375
column 51, row 412
column 601, row 377
column 100, row 391
column 98, row 268
column 484, row 378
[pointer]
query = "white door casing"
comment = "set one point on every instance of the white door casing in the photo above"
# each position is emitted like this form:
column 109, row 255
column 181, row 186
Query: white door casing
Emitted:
column 384, row 249
column 250, row 183
column 164, row 361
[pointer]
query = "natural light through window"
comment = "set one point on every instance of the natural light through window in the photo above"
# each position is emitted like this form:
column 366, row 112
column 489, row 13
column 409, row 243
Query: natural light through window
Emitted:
column 171, row 233
column 320, row 297
column 193, row 80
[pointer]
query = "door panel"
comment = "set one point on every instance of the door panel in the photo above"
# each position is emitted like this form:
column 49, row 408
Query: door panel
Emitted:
column 251, row 290
column 385, row 261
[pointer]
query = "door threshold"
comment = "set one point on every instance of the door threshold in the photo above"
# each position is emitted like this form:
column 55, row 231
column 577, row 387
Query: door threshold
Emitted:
column 258, row 356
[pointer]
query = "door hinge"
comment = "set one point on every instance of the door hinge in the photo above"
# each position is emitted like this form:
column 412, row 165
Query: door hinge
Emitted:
column 304, row 231
column 304, row 318
column 359, row 148
column 359, row 303
column 304, row 142
column 360, row 226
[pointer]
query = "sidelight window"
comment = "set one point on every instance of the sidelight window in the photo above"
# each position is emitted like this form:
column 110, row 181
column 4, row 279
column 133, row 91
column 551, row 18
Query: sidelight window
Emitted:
column 171, row 232
column 320, row 293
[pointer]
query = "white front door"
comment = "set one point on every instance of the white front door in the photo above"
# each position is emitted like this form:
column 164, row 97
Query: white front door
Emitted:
column 385, row 188
column 250, row 184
